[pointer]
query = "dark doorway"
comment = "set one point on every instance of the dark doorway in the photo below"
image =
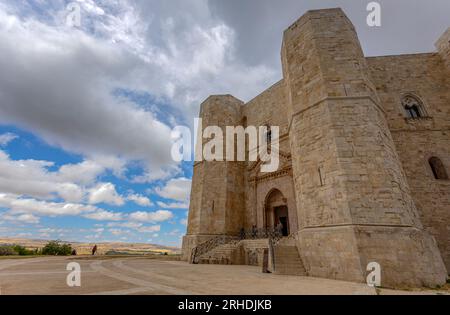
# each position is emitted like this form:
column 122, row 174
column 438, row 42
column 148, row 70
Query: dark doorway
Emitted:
column 281, row 216
column 284, row 222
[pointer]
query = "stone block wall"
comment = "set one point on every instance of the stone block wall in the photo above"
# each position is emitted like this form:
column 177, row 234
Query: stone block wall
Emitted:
column 417, row 140
column 339, row 127
column 353, row 164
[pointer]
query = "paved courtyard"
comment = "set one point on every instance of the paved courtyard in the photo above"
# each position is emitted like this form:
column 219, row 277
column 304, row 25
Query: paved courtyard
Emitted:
column 121, row 276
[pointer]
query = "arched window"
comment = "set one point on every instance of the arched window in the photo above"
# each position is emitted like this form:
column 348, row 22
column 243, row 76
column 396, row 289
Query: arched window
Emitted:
column 413, row 106
column 438, row 168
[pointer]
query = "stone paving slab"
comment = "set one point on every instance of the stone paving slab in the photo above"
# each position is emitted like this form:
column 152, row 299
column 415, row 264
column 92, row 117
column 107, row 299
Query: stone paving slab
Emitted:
column 130, row 276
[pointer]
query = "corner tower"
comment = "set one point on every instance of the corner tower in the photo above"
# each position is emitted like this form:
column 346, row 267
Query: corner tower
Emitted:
column 353, row 200
column 217, row 198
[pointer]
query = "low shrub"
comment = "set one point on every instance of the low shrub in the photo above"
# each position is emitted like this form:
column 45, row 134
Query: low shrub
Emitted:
column 6, row 250
column 55, row 248
column 22, row 251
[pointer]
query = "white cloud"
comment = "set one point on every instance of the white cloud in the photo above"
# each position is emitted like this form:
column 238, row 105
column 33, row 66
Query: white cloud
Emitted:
column 128, row 225
column 117, row 232
column 184, row 222
column 173, row 205
column 6, row 138
column 150, row 229
column 176, row 189
column 105, row 193
column 68, row 89
column 29, row 210
column 139, row 227
column 26, row 206
column 84, row 173
column 32, row 206
column 158, row 216
column 33, row 178
column 140, row 200
column 71, row 78
column 103, row 215
column 22, row 218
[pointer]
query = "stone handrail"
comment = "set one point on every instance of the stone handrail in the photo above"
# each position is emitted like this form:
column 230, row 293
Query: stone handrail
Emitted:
column 273, row 234
column 209, row 245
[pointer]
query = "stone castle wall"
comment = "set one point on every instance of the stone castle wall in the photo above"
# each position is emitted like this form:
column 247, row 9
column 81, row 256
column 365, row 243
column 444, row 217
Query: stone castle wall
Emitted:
column 426, row 76
column 354, row 170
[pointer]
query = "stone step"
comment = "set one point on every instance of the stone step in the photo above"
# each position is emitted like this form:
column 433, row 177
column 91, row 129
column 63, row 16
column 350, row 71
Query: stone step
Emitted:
column 222, row 254
column 288, row 261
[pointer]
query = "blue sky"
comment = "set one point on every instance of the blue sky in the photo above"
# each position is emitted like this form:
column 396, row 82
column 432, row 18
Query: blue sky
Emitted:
column 167, row 228
column 86, row 111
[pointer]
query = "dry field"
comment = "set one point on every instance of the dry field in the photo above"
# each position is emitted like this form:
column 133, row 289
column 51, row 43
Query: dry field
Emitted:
column 103, row 248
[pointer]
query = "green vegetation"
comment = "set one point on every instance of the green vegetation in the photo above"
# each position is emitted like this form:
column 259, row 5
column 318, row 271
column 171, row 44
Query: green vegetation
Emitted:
column 22, row 251
column 53, row 248
column 7, row 251
column 17, row 250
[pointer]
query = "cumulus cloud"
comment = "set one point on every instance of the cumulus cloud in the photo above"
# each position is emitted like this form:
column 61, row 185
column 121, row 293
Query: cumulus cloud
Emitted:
column 34, row 179
column 173, row 205
column 150, row 217
column 176, row 189
column 70, row 78
column 87, row 172
column 149, row 229
column 18, row 205
column 128, row 225
column 140, row 200
column 105, row 193
column 103, row 215
column 28, row 209
column 136, row 226
column 22, row 218
column 76, row 88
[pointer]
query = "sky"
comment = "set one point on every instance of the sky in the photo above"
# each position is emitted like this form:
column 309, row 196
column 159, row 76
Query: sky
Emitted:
column 86, row 111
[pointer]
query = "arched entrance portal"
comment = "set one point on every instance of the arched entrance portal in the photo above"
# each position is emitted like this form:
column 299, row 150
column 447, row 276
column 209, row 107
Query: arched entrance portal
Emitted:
column 277, row 212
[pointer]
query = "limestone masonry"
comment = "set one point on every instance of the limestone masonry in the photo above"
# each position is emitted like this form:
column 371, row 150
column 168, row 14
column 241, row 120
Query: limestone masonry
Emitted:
column 364, row 162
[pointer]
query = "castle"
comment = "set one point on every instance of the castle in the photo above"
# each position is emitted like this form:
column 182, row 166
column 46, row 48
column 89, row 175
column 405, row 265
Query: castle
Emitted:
column 364, row 162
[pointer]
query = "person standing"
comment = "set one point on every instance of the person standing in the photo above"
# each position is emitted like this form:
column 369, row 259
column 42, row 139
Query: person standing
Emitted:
column 94, row 250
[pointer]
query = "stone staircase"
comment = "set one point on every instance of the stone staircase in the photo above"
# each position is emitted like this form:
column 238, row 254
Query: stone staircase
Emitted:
column 247, row 252
column 221, row 255
column 287, row 260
